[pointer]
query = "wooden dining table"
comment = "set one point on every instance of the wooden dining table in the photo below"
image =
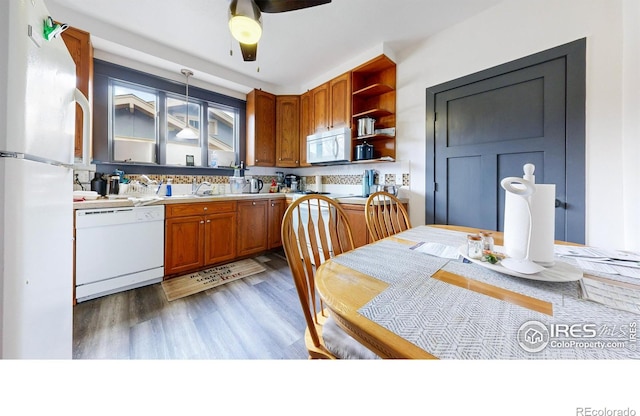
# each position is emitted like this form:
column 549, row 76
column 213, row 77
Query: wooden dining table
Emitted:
column 401, row 303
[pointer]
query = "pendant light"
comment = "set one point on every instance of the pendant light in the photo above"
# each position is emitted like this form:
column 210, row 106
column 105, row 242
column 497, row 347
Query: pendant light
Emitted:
column 187, row 132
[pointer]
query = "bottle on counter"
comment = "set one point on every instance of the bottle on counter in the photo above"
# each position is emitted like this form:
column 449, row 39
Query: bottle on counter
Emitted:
column 168, row 189
column 99, row 184
column 365, row 183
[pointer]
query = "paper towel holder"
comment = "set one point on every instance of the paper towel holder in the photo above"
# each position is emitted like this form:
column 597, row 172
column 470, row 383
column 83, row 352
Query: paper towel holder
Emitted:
column 524, row 189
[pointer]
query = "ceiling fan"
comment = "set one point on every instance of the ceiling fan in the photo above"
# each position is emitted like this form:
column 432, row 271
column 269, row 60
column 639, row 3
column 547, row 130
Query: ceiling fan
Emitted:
column 245, row 21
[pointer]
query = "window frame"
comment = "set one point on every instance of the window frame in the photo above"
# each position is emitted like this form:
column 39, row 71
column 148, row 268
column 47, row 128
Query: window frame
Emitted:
column 102, row 126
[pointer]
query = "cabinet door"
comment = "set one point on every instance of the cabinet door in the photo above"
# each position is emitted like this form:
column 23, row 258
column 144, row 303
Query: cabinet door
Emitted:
column 78, row 43
column 220, row 238
column 276, row 213
column 306, row 125
column 359, row 230
column 288, row 130
column 184, row 240
column 320, row 103
column 340, row 101
column 252, row 227
column 261, row 129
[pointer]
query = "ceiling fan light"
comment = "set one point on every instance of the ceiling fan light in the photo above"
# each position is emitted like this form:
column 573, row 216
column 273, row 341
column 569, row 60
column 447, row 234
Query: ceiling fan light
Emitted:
column 187, row 133
column 245, row 29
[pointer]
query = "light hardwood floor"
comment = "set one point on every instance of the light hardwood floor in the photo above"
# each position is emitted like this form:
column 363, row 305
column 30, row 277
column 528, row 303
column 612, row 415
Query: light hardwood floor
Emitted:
column 258, row 317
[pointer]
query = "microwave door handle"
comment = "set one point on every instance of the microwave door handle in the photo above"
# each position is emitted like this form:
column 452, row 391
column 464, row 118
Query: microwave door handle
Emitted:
column 335, row 147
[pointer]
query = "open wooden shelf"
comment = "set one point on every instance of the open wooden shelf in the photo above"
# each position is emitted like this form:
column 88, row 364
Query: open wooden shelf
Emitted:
column 371, row 90
column 375, row 137
column 374, row 112
column 374, row 95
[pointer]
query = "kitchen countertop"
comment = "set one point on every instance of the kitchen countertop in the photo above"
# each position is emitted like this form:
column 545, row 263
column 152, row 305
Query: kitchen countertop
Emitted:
column 123, row 202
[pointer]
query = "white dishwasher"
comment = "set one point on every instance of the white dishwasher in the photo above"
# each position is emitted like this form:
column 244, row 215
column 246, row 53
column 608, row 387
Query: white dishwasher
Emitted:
column 118, row 249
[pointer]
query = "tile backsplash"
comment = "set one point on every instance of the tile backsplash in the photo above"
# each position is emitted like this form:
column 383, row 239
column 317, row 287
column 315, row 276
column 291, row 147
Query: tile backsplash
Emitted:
column 337, row 179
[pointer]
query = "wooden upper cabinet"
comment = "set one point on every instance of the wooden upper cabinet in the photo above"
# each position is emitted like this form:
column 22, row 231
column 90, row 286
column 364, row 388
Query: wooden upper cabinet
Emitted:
column 261, row 129
column 331, row 104
column 287, row 130
column 78, row 43
column 320, row 107
column 340, row 101
column 306, row 125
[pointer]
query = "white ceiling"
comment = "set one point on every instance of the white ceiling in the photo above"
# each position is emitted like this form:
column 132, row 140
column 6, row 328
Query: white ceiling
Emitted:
column 296, row 47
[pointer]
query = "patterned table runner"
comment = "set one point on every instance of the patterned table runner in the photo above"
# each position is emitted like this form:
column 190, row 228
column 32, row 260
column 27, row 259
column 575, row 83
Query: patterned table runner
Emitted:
column 457, row 323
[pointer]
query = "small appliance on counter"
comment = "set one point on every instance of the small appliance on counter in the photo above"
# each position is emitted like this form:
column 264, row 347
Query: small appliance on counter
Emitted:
column 291, row 181
column 236, row 184
column 114, row 185
column 255, row 186
column 280, row 180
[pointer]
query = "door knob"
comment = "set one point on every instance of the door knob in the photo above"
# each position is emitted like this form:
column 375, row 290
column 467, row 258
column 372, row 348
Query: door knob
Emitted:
column 560, row 204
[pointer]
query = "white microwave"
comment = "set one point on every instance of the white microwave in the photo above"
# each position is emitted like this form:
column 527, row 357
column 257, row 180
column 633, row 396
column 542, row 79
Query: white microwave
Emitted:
column 329, row 147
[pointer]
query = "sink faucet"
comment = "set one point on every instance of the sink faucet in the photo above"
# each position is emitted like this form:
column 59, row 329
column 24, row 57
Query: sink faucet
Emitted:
column 196, row 187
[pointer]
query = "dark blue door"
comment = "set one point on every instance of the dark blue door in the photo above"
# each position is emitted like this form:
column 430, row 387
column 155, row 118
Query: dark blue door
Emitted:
column 487, row 128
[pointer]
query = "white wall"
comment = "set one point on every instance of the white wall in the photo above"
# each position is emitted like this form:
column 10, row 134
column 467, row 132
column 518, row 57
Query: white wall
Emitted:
column 514, row 29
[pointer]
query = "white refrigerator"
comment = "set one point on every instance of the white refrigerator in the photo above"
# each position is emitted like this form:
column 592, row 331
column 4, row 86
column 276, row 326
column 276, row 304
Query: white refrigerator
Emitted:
column 37, row 114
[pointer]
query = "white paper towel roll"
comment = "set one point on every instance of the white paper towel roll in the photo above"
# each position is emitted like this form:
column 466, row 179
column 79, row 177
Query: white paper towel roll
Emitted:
column 318, row 183
column 516, row 225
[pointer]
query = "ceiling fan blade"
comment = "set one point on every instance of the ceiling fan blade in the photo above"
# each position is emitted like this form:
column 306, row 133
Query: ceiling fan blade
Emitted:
column 249, row 52
column 279, row 6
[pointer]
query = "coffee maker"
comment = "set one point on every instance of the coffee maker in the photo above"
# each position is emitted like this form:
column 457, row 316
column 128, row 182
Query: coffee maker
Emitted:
column 292, row 182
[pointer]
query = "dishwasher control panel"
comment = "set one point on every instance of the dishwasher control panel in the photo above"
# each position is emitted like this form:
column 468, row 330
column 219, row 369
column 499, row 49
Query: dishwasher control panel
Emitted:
column 123, row 215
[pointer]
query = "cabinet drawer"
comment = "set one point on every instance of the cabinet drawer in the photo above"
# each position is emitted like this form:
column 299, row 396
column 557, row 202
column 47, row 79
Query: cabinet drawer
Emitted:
column 182, row 210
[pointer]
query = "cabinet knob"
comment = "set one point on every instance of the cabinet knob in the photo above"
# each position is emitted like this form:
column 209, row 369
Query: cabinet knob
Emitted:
column 208, row 221
column 201, row 222
column 253, row 203
column 206, row 208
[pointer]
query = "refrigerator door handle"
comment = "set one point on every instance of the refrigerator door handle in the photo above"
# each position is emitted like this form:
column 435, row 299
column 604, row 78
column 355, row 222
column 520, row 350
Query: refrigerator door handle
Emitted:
column 86, row 126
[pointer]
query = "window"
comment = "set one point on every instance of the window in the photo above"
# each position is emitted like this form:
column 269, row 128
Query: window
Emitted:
column 142, row 115
column 178, row 149
column 135, row 123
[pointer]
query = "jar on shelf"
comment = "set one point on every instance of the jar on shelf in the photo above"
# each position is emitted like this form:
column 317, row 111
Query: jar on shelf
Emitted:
column 487, row 241
column 474, row 246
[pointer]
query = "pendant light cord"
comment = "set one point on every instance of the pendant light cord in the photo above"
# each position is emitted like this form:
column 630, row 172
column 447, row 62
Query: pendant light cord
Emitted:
column 187, row 74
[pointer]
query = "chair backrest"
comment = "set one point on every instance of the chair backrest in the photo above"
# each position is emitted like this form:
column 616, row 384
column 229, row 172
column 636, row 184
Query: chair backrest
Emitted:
column 385, row 215
column 309, row 237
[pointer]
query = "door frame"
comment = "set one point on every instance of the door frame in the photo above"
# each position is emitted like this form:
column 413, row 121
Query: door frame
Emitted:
column 574, row 54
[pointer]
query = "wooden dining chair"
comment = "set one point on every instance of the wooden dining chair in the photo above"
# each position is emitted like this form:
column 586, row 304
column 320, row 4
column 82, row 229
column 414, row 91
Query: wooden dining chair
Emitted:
column 314, row 229
column 385, row 215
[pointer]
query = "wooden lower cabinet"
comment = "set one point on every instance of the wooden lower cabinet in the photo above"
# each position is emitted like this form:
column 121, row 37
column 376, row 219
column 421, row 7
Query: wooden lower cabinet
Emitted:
column 219, row 243
column 359, row 230
column 358, row 223
column 277, row 207
column 253, row 226
column 199, row 235
column 183, row 247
